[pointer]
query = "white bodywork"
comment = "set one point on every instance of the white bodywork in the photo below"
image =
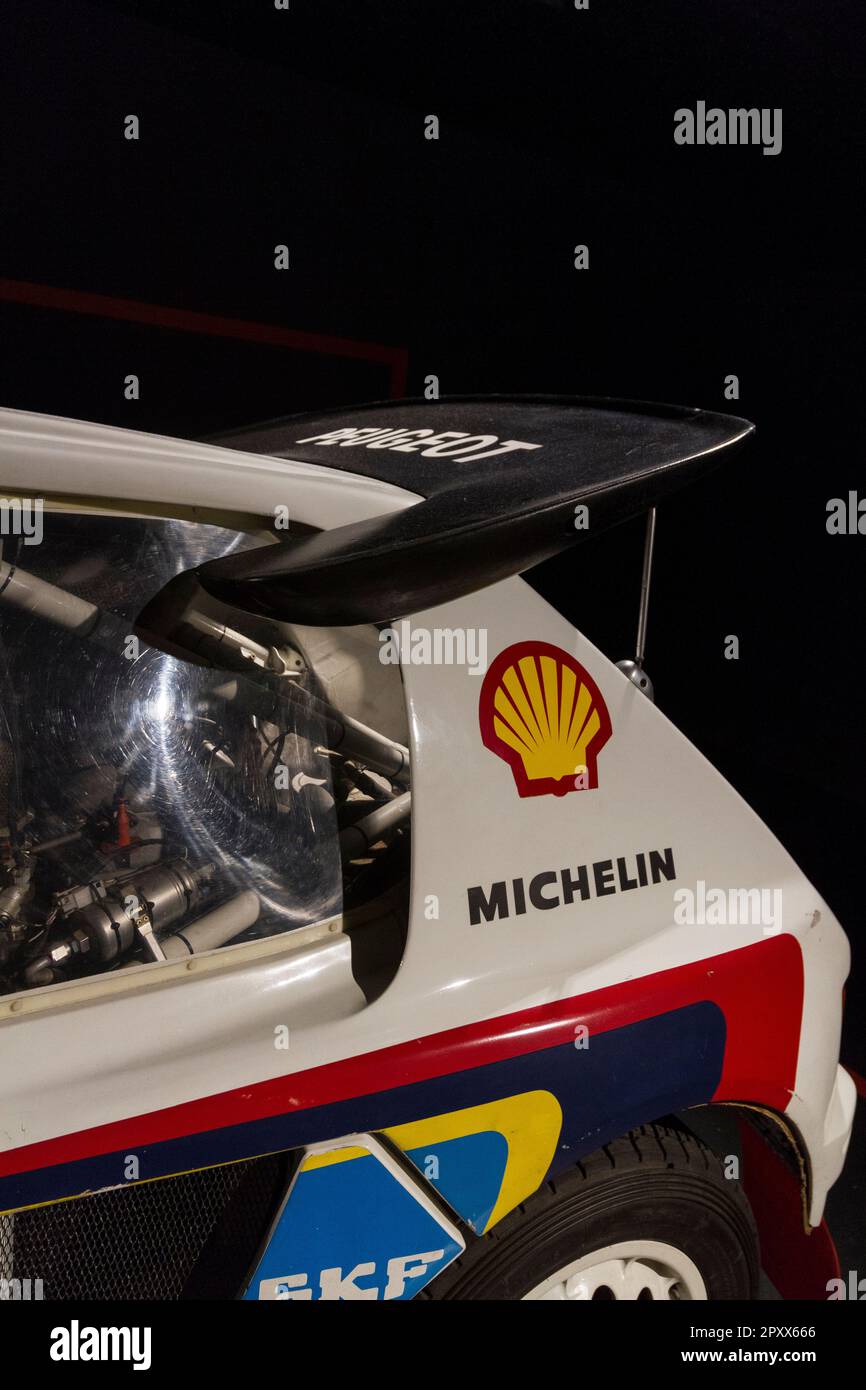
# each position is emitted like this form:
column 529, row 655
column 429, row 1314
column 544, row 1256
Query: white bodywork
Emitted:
column 84, row 1054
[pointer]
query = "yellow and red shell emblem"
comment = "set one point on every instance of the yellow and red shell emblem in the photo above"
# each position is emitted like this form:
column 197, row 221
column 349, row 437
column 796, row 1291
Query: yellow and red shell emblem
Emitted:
column 545, row 716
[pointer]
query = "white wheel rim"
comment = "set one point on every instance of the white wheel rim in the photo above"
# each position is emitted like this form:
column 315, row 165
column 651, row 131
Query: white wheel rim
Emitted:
column 637, row 1270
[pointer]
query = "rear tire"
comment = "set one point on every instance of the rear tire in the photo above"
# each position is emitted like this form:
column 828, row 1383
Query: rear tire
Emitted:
column 649, row 1216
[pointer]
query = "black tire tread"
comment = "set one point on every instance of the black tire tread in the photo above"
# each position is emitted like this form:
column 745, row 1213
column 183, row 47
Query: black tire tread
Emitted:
column 665, row 1146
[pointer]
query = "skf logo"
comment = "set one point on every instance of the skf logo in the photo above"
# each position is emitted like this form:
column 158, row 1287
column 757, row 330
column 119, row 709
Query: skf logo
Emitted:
column 544, row 715
column 341, row 1286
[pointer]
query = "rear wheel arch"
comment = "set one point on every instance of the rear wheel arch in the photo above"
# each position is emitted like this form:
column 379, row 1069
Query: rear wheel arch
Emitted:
column 657, row 1188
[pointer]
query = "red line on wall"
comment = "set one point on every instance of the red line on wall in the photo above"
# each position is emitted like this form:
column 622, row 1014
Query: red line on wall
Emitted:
column 213, row 325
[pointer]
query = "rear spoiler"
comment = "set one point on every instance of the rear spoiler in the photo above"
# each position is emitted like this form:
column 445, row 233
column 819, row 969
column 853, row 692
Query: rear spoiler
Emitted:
column 499, row 481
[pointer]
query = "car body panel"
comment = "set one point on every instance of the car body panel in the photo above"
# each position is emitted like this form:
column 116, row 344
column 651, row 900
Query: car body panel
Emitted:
column 354, row 1226
column 182, row 1069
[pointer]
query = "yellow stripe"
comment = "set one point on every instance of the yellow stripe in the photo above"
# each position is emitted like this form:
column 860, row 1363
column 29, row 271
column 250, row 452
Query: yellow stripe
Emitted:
column 529, row 1123
column 132, row 1182
column 325, row 1160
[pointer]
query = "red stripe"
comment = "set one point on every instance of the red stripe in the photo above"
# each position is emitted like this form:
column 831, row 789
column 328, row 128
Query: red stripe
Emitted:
column 799, row 1262
column 760, row 1055
column 858, row 1080
column 214, row 325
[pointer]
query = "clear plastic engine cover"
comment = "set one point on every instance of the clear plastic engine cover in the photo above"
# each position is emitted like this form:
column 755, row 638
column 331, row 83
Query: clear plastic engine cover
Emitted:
column 149, row 807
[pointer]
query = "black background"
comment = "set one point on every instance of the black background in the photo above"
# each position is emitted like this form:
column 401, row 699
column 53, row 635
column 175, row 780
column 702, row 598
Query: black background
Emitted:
column 306, row 127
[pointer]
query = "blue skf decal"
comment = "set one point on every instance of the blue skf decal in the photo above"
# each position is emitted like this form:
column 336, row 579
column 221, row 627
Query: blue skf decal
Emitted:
column 468, row 1172
column 350, row 1230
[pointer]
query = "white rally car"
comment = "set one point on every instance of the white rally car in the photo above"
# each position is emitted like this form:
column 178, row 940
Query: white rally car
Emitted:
column 349, row 892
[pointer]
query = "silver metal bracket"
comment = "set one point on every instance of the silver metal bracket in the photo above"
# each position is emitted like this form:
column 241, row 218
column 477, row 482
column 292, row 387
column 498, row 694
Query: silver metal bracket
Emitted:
column 633, row 669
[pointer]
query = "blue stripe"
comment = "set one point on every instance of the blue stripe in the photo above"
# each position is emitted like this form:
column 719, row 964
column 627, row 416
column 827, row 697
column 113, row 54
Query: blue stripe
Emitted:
column 624, row 1077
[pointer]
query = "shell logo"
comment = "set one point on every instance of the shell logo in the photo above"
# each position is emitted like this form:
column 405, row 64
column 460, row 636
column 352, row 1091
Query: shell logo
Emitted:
column 544, row 715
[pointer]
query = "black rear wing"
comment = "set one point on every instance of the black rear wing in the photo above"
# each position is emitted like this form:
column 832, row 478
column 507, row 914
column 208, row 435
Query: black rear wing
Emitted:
column 499, row 478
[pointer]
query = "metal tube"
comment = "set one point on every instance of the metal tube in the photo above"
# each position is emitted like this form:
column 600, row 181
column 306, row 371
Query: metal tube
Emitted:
column 215, row 928
column 45, row 845
column 341, row 732
column 356, row 839
column 645, row 585
column 348, row 735
column 25, row 591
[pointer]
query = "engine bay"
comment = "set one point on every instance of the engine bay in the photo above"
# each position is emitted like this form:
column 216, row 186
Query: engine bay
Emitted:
column 151, row 806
